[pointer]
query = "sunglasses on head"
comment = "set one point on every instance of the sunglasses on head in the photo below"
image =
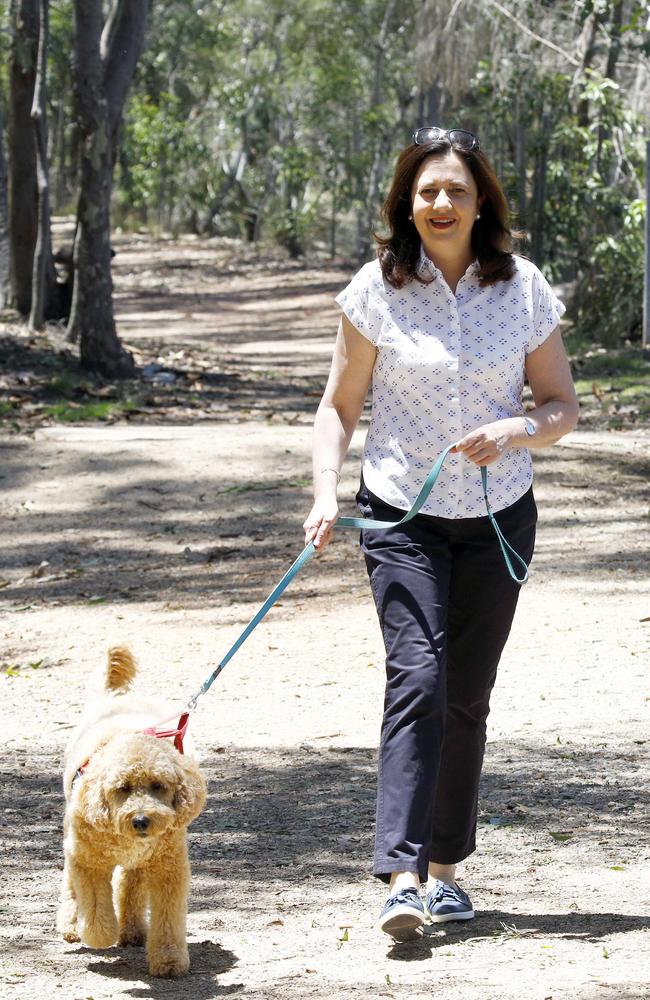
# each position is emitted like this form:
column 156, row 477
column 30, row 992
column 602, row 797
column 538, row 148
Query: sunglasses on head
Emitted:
column 457, row 137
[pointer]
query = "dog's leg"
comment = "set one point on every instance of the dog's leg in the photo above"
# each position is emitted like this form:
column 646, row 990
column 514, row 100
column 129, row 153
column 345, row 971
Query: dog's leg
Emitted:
column 169, row 876
column 66, row 917
column 131, row 898
column 97, row 924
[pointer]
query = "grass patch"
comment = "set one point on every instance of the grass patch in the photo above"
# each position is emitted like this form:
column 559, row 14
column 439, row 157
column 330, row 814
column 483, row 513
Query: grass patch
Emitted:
column 68, row 412
column 613, row 382
column 65, row 384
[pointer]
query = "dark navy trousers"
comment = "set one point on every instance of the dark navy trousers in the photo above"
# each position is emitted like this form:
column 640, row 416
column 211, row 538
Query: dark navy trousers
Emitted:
column 445, row 603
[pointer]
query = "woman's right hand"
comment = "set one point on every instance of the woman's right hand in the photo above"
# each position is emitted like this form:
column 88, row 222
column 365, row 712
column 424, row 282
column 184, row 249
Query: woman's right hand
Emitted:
column 320, row 521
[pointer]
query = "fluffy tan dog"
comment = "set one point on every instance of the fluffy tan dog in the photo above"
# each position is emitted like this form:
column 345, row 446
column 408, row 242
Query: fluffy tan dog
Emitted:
column 127, row 812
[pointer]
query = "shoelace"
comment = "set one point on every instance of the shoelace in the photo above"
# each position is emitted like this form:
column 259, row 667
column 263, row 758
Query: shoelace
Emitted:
column 404, row 896
column 449, row 891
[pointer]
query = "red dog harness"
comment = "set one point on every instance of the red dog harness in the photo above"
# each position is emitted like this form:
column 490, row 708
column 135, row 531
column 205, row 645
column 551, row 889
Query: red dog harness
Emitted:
column 177, row 734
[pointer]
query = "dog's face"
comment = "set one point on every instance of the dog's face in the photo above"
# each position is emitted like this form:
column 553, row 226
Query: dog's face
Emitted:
column 139, row 786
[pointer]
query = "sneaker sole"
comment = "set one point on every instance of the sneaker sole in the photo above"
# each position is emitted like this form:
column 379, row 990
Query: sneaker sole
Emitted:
column 444, row 918
column 402, row 923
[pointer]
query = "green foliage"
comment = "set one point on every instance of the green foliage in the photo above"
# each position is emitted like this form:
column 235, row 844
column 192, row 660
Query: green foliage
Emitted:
column 613, row 287
column 264, row 110
column 156, row 141
column 281, row 119
column 588, row 228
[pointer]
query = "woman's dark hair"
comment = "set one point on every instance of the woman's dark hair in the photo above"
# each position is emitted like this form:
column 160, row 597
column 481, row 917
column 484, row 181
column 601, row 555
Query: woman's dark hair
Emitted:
column 492, row 238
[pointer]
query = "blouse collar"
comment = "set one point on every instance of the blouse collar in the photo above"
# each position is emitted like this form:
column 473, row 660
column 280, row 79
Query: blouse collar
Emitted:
column 427, row 267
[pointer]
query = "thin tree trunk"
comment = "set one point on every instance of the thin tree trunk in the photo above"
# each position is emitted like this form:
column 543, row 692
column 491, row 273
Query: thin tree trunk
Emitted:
column 59, row 157
column 333, row 219
column 122, row 42
column 433, row 104
column 613, row 52
column 520, row 160
column 91, row 319
column 23, row 187
column 588, row 39
column 539, row 191
column 382, row 142
column 105, row 57
column 44, row 286
column 5, row 263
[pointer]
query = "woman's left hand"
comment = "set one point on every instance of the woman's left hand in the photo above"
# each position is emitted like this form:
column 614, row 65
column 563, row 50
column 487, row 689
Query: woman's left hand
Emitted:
column 488, row 443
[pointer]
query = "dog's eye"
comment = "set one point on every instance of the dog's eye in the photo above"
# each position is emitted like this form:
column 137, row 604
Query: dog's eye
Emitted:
column 125, row 788
column 157, row 786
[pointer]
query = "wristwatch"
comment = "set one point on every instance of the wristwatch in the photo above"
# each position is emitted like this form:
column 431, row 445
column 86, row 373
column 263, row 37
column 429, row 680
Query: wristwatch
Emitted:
column 530, row 427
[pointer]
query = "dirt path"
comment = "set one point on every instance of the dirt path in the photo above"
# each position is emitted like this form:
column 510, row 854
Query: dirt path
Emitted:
column 169, row 536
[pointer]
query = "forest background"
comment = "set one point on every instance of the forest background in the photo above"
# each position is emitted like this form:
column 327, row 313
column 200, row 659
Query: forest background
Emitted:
column 275, row 123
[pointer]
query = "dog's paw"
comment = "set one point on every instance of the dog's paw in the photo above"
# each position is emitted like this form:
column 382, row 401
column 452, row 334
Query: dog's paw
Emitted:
column 169, row 964
column 70, row 935
column 132, row 937
column 66, row 920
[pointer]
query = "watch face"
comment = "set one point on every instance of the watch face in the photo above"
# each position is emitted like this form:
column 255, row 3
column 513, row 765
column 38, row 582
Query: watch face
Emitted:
column 530, row 426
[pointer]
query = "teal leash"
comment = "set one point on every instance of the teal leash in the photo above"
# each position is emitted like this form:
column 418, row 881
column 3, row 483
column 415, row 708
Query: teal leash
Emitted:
column 366, row 523
column 506, row 548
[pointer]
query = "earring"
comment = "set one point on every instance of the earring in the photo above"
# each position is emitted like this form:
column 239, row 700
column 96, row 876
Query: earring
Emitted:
column 410, row 218
column 478, row 215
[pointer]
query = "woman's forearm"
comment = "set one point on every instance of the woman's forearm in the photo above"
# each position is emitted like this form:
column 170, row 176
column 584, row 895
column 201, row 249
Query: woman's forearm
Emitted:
column 332, row 435
column 489, row 442
column 551, row 421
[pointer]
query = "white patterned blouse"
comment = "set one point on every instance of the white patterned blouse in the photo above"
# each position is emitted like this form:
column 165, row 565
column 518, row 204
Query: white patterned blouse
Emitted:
column 446, row 364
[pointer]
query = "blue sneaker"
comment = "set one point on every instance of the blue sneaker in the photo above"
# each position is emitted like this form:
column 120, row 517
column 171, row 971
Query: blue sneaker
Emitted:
column 448, row 902
column 402, row 915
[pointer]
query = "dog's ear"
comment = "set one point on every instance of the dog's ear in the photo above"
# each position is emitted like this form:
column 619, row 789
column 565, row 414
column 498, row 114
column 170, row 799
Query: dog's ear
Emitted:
column 94, row 803
column 190, row 791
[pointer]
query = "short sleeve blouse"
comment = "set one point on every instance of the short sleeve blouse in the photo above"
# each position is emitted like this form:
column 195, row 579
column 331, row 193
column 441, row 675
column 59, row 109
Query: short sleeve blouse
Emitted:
column 446, row 364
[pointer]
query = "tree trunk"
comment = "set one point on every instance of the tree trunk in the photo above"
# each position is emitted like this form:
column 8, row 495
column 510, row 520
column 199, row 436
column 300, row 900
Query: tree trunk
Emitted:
column 539, row 191
column 60, row 192
column 5, row 264
column 434, row 113
column 615, row 27
column 122, row 42
column 613, row 52
column 520, row 160
column 91, row 319
column 23, row 187
column 104, row 62
column 588, row 40
column 44, row 286
column 382, row 141
column 333, row 218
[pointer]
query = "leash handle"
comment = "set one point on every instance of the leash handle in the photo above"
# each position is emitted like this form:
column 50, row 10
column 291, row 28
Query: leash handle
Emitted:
column 506, row 548
column 427, row 486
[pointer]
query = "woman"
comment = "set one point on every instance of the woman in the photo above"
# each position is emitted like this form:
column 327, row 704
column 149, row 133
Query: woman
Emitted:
column 446, row 324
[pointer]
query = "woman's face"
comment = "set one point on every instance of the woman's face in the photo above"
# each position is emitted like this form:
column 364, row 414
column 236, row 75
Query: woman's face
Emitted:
column 444, row 204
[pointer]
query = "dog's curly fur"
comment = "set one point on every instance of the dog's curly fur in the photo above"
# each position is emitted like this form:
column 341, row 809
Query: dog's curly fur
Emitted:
column 128, row 813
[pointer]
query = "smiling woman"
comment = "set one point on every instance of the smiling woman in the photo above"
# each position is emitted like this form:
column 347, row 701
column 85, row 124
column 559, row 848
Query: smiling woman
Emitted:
column 445, row 324
column 442, row 177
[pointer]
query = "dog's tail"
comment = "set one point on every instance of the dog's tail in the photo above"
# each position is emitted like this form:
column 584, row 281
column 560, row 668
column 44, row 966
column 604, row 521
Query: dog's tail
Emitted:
column 120, row 669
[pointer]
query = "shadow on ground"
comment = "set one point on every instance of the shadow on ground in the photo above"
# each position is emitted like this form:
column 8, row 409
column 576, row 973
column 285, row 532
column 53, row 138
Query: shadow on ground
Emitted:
column 249, row 532
column 309, row 813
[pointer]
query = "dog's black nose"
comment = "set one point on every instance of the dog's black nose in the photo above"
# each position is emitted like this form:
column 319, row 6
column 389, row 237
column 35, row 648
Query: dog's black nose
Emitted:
column 140, row 822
